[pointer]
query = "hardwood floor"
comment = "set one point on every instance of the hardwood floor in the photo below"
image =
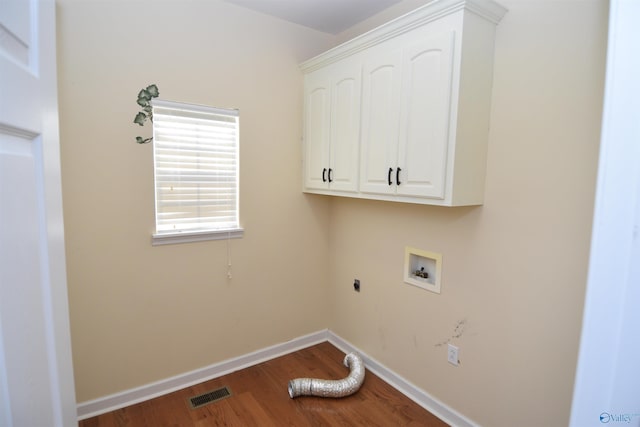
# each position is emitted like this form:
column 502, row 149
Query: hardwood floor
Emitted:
column 259, row 397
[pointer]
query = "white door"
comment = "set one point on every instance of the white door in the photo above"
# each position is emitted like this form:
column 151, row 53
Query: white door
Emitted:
column 607, row 385
column 317, row 133
column 381, row 86
column 345, row 125
column 424, row 117
column 36, row 377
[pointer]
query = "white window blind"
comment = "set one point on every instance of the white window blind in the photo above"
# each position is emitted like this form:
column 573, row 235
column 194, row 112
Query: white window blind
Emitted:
column 196, row 166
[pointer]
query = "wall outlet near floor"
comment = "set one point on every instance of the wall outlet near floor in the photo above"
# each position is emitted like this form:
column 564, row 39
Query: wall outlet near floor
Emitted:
column 356, row 285
column 452, row 354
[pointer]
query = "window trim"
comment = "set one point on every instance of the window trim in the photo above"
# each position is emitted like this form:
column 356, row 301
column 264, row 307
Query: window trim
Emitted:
column 195, row 236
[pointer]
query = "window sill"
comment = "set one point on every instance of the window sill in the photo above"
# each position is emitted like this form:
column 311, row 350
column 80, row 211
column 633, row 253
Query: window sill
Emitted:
column 195, row 236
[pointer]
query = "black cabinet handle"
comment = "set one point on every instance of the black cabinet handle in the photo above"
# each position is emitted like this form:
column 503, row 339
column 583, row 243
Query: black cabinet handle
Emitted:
column 329, row 175
column 324, row 175
column 389, row 176
column 398, row 176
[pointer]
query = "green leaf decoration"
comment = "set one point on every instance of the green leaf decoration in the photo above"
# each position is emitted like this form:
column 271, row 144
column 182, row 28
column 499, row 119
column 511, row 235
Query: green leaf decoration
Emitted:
column 141, row 140
column 144, row 101
column 153, row 91
column 140, row 118
column 143, row 94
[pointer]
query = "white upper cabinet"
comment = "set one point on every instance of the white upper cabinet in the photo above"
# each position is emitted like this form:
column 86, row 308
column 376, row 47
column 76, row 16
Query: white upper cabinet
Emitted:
column 414, row 108
column 405, row 117
column 332, row 127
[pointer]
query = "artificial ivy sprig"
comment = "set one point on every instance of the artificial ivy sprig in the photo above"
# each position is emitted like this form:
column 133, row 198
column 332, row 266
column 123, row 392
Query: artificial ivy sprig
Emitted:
column 144, row 100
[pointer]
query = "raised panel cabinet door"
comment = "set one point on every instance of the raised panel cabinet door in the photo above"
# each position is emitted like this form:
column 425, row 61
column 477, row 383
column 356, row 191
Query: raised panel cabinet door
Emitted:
column 380, row 120
column 317, row 131
column 425, row 116
column 345, row 127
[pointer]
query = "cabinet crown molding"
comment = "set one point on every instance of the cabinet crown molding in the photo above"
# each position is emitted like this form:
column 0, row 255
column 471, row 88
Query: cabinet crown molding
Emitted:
column 487, row 9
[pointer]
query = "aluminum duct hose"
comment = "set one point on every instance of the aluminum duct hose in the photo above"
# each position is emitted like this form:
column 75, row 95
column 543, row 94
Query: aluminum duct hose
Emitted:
column 331, row 388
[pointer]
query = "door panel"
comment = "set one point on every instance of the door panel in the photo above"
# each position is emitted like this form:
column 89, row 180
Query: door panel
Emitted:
column 317, row 131
column 424, row 129
column 21, row 294
column 345, row 128
column 15, row 31
column 380, row 120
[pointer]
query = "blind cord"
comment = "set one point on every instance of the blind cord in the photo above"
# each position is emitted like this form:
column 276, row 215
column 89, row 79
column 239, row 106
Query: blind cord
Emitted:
column 229, row 276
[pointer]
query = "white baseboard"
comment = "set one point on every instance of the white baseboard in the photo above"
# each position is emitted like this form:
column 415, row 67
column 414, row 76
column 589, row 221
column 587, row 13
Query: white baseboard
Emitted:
column 140, row 394
column 419, row 396
column 149, row 391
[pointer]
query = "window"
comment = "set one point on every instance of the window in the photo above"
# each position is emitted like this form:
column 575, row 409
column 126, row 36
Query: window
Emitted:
column 196, row 167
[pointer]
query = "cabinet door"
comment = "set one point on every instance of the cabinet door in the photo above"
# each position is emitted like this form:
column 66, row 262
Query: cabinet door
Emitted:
column 317, row 99
column 380, row 120
column 424, row 116
column 345, row 125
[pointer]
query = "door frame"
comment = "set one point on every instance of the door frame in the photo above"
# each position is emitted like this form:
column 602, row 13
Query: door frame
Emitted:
column 606, row 385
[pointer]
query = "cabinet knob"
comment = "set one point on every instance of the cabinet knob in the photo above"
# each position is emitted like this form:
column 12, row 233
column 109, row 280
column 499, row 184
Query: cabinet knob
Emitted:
column 398, row 176
column 389, row 176
column 324, row 174
column 329, row 175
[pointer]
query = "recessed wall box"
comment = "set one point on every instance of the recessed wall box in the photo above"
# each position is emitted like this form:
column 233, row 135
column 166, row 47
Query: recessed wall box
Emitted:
column 422, row 269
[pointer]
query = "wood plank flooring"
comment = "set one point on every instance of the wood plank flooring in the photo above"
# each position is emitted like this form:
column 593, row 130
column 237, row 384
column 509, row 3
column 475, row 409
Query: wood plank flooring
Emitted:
column 259, row 397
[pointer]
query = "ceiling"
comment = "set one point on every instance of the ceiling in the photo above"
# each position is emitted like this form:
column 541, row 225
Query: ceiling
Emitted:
column 328, row 16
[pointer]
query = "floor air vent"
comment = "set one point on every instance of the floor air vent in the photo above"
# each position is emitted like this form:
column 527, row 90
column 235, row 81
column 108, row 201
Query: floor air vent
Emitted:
column 209, row 397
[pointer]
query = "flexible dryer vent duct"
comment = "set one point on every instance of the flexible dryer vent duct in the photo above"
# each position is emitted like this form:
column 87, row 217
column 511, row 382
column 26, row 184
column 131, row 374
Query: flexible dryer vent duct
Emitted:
column 331, row 388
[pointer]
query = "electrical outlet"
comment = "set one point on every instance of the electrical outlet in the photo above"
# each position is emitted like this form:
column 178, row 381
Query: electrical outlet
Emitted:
column 452, row 354
column 356, row 285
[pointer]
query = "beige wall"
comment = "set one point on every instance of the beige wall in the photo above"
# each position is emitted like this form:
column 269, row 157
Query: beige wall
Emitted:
column 514, row 269
column 141, row 313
